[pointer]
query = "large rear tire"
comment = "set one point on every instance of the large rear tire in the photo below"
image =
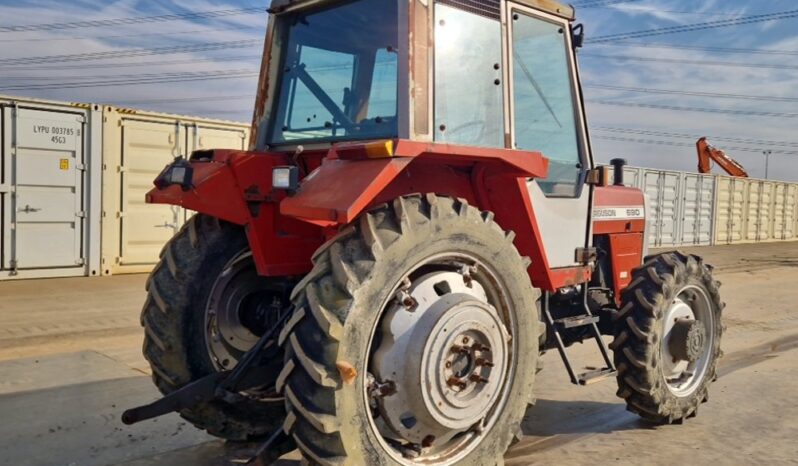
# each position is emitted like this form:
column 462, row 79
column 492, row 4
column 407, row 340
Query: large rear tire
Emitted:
column 667, row 337
column 422, row 292
column 207, row 264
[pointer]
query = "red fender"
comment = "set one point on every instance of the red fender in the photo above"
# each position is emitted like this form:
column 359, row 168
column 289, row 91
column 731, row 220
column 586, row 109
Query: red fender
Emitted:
column 236, row 186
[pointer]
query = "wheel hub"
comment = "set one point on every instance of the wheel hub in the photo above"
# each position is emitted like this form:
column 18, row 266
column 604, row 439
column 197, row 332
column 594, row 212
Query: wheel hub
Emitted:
column 240, row 308
column 687, row 343
column 688, row 339
column 446, row 354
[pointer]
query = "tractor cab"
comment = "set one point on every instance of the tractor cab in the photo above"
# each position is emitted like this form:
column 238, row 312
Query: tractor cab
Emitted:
column 488, row 74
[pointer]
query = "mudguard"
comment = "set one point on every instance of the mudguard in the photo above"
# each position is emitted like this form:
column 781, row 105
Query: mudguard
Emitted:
column 235, row 186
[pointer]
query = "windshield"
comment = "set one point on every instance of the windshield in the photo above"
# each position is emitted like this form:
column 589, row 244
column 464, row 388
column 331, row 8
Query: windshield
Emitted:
column 339, row 75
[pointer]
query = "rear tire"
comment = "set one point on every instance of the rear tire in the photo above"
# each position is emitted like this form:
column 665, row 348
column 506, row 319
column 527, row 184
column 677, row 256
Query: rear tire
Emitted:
column 663, row 291
column 340, row 319
column 174, row 323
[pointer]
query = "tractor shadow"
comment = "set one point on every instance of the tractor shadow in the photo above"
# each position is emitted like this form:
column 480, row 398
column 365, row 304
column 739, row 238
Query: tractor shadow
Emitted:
column 548, row 418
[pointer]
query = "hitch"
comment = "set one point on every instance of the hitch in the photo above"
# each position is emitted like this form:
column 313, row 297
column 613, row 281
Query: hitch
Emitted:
column 223, row 385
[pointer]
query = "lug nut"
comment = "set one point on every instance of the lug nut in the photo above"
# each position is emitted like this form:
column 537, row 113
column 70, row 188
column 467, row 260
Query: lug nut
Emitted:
column 466, row 340
column 480, row 347
column 455, row 382
column 478, row 378
column 483, row 362
column 457, row 349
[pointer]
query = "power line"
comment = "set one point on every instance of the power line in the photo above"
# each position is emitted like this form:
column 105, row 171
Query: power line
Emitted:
column 85, row 66
column 693, row 62
column 697, row 109
column 692, row 93
column 130, row 20
column 168, row 78
column 131, row 53
column 127, row 36
column 600, row 3
column 697, row 26
column 643, row 132
column 680, row 144
column 218, row 98
column 701, row 48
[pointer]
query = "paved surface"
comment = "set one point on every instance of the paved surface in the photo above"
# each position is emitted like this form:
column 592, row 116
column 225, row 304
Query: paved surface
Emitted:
column 70, row 363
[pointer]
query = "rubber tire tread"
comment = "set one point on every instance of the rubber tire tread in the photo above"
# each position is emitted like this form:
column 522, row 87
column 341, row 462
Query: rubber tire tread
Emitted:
column 325, row 432
column 173, row 320
column 638, row 335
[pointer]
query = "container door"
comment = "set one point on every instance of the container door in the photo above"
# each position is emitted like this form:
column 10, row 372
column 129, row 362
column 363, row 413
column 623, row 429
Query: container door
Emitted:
column 697, row 209
column 45, row 213
column 208, row 137
column 731, row 205
column 147, row 147
column 664, row 196
column 760, row 197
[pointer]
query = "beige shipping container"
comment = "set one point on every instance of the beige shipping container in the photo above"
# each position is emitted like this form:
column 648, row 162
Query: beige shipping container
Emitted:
column 784, row 206
column 136, row 147
column 759, row 217
column 732, row 204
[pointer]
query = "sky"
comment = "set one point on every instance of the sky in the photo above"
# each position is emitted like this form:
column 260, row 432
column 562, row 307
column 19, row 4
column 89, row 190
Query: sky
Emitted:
column 648, row 97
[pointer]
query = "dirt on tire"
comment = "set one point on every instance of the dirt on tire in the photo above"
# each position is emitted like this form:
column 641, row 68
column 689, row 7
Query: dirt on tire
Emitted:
column 639, row 333
column 173, row 321
column 338, row 305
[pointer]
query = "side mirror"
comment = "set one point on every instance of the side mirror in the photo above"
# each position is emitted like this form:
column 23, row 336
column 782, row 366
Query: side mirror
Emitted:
column 578, row 36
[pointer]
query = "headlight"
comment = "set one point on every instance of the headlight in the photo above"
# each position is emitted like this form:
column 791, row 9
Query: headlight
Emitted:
column 178, row 172
column 285, row 178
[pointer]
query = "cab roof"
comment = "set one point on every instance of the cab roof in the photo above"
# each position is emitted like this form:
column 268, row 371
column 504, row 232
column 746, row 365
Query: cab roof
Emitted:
column 550, row 6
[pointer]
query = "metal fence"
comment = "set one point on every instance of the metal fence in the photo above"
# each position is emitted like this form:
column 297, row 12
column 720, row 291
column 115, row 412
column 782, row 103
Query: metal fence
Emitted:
column 689, row 209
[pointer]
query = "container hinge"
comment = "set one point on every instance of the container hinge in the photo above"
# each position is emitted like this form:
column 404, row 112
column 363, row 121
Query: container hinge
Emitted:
column 80, row 214
column 4, row 188
column 121, row 169
column 80, row 119
column 13, row 264
column 120, row 214
column 80, row 167
column 80, row 262
column 586, row 255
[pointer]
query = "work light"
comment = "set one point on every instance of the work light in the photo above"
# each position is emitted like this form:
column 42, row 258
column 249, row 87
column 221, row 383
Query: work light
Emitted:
column 285, row 178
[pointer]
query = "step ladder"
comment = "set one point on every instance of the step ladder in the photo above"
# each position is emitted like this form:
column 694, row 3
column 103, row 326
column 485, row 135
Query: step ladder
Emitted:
column 585, row 320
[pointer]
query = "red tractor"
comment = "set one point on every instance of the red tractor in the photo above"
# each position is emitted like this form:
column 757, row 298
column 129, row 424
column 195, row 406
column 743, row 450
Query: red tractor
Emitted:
column 418, row 219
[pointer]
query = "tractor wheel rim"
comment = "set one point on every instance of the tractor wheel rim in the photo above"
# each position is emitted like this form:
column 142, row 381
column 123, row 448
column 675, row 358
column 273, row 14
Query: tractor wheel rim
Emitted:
column 444, row 352
column 237, row 294
column 688, row 341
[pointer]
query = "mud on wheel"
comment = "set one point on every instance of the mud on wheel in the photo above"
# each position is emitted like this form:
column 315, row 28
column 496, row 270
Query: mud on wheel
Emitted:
column 415, row 340
column 667, row 337
column 205, row 307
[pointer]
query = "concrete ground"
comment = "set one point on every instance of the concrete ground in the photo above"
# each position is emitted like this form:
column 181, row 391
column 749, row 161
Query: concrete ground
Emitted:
column 70, row 363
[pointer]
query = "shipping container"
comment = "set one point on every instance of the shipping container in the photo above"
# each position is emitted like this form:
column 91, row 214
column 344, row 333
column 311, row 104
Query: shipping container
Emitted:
column 731, row 209
column 697, row 207
column 137, row 146
column 759, row 215
column 784, row 206
column 49, row 202
column 663, row 190
column 72, row 184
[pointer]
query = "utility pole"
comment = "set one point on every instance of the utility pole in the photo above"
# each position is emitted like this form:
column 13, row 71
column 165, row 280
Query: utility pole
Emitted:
column 767, row 161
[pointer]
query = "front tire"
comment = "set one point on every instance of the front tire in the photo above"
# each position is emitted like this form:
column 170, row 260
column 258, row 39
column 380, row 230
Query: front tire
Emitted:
column 667, row 337
column 197, row 269
column 362, row 318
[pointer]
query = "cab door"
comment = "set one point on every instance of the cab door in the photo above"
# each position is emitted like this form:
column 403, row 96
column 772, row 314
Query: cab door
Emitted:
column 546, row 116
